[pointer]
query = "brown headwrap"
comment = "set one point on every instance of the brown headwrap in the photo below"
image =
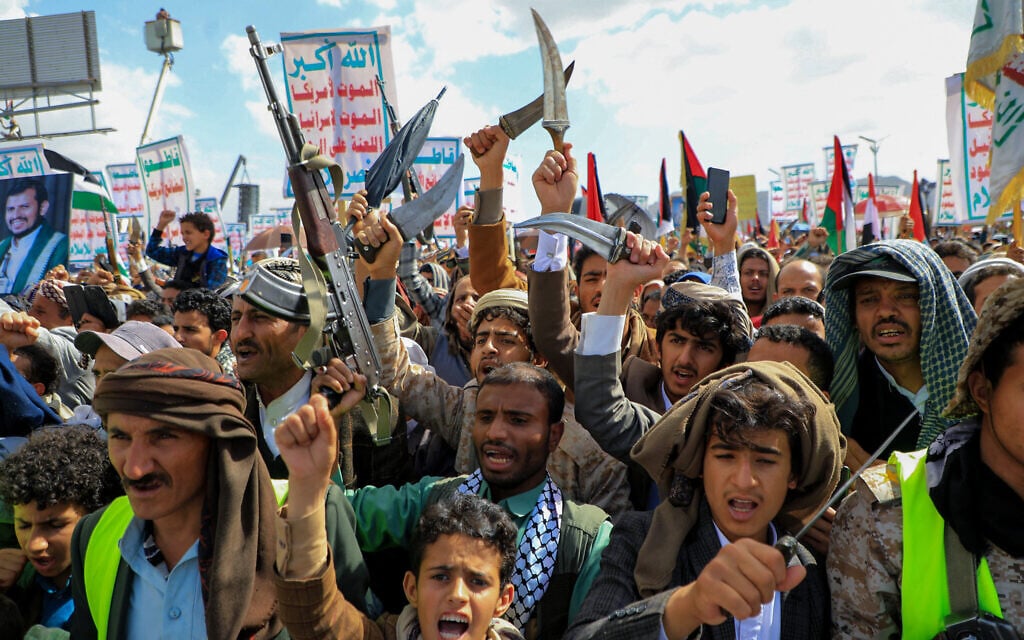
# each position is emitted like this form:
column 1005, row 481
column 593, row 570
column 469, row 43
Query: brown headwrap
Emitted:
column 185, row 388
column 1002, row 308
column 672, row 452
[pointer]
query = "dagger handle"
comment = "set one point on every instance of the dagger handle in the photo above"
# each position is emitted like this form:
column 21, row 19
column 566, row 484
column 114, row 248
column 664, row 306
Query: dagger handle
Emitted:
column 557, row 140
column 368, row 251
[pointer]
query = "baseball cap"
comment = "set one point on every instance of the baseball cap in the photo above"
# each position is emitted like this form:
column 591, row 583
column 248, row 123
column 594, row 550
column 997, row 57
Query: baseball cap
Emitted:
column 131, row 340
column 880, row 266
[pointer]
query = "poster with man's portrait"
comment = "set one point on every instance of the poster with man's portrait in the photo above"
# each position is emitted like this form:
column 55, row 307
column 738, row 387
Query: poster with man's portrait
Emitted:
column 34, row 234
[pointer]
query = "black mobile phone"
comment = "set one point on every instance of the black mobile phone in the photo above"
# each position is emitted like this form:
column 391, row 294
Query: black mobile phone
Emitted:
column 718, row 187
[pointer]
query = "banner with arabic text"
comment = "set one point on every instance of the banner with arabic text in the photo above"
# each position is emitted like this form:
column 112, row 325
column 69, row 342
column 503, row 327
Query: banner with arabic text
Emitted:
column 236, row 234
column 776, row 198
column 166, row 183
column 819, row 198
column 436, row 156
column 797, row 183
column 849, row 156
column 23, row 161
column 331, row 80
column 126, row 189
column 211, row 207
column 969, row 131
column 946, row 209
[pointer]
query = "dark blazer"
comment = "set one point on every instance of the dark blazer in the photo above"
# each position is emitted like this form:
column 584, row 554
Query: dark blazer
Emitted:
column 613, row 609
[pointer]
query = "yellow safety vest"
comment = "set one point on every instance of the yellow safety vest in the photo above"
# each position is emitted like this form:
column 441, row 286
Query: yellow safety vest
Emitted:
column 925, row 592
column 102, row 556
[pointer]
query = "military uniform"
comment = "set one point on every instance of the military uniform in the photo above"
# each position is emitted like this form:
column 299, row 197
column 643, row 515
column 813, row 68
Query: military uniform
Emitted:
column 865, row 562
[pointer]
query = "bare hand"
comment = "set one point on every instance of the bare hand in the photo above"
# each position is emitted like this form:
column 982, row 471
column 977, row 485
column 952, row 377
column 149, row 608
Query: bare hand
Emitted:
column 339, row 378
column 358, row 207
column 461, row 221
column 555, row 181
column 18, row 329
column 166, row 217
column 743, row 576
column 488, row 147
column 722, row 236
column 817, row 237
column 12, row 562
column 379, row 232
column 646, row 261
column 308, row 442
column 58, row 273
column 101, row 277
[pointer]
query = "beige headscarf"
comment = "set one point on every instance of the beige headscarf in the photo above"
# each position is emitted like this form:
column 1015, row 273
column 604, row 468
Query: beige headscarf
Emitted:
column 1002, row 308
column 672, row 452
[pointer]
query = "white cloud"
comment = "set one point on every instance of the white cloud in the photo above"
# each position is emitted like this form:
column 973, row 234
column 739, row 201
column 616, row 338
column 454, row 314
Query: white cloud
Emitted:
column 331, row 3
column 756, row 89
column 12, row 9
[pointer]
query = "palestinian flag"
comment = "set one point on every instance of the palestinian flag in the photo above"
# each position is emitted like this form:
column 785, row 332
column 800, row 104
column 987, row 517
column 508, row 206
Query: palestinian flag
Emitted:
column 665, row 222
column 838, row 218
column 695, row 180
column 872, row 227
column 593, row 195
column 915, row 212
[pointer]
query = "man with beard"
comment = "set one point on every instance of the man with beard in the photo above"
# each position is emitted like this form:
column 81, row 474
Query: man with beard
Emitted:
column 501, row 334
column 33, row 248
column 934, row 536
column 516, row 426
column 898, row 300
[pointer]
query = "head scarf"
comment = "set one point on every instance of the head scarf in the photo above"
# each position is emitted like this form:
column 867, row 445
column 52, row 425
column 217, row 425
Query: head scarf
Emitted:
column 441, row 280
column 947, row 320
column 689, row 292
column 514, row 298
column 52, row 290
column 773, row 268
column 672, row 452
column 185, row 388
column 1003, row 308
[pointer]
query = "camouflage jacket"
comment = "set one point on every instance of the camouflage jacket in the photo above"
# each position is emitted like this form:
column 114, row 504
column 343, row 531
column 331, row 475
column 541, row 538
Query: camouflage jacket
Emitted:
column 865, row 562
column 585, row 473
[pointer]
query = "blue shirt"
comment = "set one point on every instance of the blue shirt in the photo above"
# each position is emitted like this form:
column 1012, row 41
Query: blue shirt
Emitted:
column 162, row 604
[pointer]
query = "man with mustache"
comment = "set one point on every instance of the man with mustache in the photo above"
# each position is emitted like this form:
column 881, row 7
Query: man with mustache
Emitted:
column 32, row 248
column 898, row 326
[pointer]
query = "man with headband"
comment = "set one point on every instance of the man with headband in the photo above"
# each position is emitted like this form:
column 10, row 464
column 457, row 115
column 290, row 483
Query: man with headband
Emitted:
column 935, row 537
column 738, row 460
column 189, row 552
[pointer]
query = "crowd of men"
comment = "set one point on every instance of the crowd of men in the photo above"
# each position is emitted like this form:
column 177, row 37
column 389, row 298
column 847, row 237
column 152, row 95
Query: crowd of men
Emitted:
column 578, row 448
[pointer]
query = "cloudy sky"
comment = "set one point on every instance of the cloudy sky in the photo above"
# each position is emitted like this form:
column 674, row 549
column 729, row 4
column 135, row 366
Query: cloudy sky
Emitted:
column 756, row 84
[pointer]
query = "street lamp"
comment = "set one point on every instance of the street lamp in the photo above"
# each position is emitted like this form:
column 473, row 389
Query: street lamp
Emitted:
column 163, row 36
column 874, row 146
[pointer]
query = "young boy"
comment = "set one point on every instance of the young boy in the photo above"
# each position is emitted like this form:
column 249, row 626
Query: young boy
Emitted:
column 56, row 478
column 462, row 556
column 196, row 262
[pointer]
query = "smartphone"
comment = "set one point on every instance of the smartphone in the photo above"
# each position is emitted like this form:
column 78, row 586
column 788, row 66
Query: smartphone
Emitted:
column 718, row 187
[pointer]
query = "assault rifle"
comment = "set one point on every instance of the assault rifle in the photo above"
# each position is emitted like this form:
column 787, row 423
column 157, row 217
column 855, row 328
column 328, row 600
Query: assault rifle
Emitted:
column 346, row 335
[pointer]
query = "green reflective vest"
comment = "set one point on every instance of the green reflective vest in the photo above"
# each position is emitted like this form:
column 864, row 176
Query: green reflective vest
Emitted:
column 925, row 593
column 102, row 556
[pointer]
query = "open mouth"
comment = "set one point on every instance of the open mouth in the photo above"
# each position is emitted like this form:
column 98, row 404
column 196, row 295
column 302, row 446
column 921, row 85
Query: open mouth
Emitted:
column 684, row 377
column 452, row 626
column 498, row 458
column 890, row 334
column 742, row 509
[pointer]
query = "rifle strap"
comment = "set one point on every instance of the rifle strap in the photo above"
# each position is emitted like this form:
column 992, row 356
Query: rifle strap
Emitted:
column 313, row 281
column 376, row 407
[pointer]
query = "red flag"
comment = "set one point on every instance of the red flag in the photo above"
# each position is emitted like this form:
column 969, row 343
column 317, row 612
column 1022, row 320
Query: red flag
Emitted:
column 773, row 235
column 696, row 181
column 594, row 198
column 915, row 210
column 803, row 213
column 665, row 202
